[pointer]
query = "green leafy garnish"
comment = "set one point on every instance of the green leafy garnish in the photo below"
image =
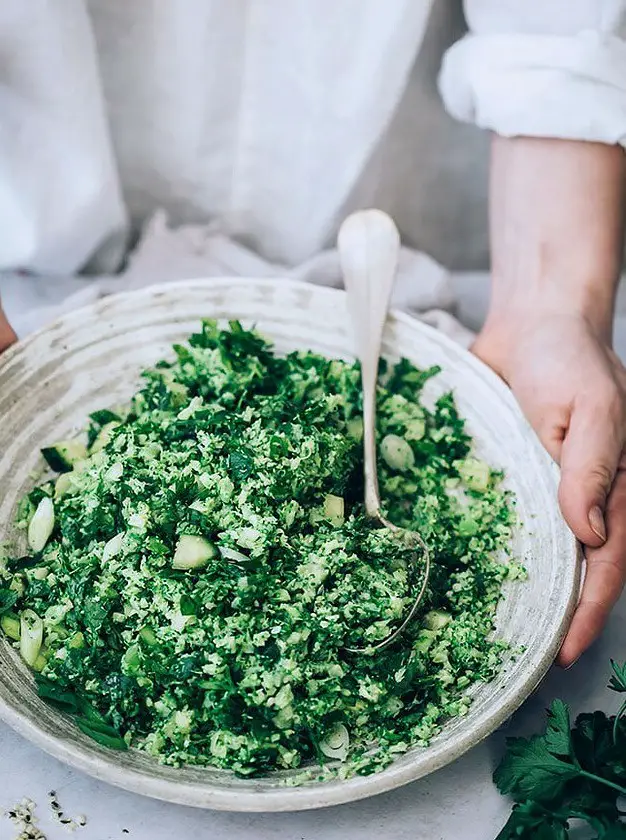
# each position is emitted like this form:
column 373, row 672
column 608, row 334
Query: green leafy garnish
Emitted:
column 8, row 599
column 241, row 464
column 16, row 564
column 567, row 774
column 86, row 717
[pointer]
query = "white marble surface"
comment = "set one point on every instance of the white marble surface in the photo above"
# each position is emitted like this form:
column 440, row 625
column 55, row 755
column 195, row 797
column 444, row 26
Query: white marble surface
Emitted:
column 457, row 803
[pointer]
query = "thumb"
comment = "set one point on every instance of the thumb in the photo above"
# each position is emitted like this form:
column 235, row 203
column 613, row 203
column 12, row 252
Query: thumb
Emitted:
column 590, row 457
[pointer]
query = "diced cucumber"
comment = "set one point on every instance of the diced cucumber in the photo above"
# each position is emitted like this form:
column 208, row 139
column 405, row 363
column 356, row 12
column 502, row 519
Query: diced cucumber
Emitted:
column 397, row 453
column 335, row 744
column 62, row 485
column 316, row 515
column 415, row 429
column 77, row 641
column 18, row 584
column 25, row 509
column 10, row 625
column 232, row 555
column 41, row 525
column 193, row 552
column 147, row 635
column 424, row 641
column 42, row 660
column 151, row 451
column 104, row 417
column 54, row 616
column 131, row 661
column 476, row 474
column 62, row 456
column 179, row 392
column 436, row 619
column 31, row 636
column 104, row 436
column 355, row 428
column 467, row 526
column 115, row 472
column 334, row 510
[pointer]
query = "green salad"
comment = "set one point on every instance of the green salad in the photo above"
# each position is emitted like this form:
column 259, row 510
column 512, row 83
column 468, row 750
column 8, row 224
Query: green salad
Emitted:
column 199, row 568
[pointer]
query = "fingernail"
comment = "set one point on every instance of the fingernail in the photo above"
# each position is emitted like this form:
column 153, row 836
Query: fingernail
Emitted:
column 596, row 520
column 571, row 665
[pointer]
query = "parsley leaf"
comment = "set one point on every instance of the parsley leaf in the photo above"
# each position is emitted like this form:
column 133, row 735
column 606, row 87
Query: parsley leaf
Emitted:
column 87, row 718
column 558, row 738
column 614, row 832
column 618, row 683
column 618, row 679
column 56, row 695
column 530, row 771
column 530, row 821
column 567, row 774
column 8, row 598
column 106, row 736
column 593, row 741
column 241, row 464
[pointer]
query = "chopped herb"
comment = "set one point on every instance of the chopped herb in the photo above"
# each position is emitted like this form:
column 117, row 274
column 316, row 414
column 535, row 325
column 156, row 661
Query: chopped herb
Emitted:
column 208, row 563
column 241, row 464
column 8, row 598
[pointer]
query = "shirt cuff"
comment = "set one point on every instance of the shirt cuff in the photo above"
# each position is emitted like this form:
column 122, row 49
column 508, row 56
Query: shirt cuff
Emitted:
column 539, row 85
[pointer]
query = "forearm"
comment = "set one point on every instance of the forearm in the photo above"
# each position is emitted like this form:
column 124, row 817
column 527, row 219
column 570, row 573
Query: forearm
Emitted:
column 7, row 334
column 557, row 222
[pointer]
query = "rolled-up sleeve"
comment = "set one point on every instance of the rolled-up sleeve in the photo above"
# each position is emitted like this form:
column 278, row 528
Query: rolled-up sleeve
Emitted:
column 555, row 68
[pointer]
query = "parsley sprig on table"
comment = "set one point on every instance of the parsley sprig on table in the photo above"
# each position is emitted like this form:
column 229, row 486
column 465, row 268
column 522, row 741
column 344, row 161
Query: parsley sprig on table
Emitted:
column 568, row 774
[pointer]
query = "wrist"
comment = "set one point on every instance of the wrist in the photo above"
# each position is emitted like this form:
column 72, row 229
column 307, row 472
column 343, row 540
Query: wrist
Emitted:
column 518, row 316
column 516, row 306
column 557, row 221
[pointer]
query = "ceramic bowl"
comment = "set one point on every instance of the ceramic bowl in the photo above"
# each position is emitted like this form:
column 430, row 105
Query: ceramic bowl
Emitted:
column 92, row 358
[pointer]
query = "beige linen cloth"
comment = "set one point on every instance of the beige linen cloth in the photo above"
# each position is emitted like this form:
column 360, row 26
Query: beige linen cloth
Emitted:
column 165, row 254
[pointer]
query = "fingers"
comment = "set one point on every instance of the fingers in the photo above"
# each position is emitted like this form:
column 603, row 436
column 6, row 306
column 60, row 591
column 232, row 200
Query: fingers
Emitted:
column 604, row 580
column 590, row 456
column 7, row 335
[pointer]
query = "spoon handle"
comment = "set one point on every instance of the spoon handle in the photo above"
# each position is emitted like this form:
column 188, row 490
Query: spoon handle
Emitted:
column 369, row 248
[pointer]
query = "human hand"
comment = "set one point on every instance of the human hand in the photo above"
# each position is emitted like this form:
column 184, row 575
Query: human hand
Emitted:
column 572, row 388
column 7, row 334
column 557, row 212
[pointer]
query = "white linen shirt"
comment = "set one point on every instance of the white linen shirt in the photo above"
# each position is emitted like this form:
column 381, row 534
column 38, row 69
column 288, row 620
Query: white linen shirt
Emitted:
column 273, row 118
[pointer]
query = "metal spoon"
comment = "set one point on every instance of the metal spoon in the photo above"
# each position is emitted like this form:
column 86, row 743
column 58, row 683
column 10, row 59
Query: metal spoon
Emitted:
column 369, row 249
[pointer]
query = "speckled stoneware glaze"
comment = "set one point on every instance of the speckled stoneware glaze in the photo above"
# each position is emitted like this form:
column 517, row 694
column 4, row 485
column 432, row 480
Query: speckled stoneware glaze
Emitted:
column 91, row 358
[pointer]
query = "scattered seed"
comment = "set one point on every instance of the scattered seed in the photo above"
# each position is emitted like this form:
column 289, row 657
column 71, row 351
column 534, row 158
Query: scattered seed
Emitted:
column 70, row 823
column 24, row 819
